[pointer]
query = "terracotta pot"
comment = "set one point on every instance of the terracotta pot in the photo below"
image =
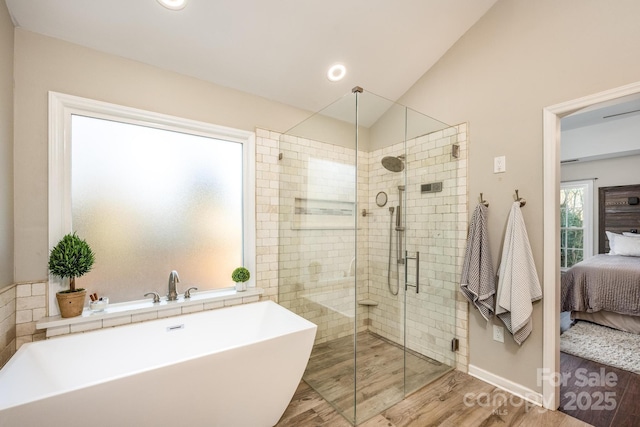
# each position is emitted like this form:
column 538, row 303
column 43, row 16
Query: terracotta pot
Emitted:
column 71, row 303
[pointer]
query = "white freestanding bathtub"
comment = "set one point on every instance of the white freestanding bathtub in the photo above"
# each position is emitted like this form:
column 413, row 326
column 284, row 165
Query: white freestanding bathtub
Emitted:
column 232, row 367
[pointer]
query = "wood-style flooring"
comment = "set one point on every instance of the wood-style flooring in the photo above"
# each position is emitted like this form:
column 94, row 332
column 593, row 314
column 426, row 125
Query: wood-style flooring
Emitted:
column 379, row 374
column 613, row 402
column 608, row 405
column 450, row 398
column 455, row 400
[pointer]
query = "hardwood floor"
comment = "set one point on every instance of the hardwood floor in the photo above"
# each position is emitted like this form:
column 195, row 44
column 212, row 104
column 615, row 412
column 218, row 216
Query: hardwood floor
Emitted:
column 451, row 398
column 379, row 374
column 611, row 402
column 455, row 399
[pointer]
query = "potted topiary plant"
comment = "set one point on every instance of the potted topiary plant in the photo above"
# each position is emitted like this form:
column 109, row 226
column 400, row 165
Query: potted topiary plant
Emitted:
column 240, row 275
column 71, row 257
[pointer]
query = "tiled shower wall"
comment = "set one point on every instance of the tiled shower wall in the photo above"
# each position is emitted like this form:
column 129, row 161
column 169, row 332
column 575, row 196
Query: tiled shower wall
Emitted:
column 267, row 184
column 315, row 265
column 436, row 226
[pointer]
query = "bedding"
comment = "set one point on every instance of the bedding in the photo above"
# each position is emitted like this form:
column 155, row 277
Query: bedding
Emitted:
column 622, row 244
column 617, row 321
column 603, row 282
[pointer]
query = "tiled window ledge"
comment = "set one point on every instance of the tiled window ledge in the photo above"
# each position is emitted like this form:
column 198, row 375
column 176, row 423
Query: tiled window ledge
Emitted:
column 142, row 310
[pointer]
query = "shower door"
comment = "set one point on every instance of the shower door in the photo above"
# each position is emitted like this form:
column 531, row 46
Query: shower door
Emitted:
column 341, row 255
column 435, row 231
column 319, row 261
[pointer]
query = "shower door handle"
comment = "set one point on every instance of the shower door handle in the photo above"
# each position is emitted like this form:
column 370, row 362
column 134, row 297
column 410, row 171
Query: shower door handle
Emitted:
column 406, row 270
column 417, row 272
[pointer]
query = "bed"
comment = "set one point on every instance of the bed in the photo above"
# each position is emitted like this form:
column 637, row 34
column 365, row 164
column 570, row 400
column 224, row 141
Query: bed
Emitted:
column 605, row 289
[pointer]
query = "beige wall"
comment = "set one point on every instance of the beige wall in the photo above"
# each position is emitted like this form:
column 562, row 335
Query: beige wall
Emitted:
column 520, row 57
column 7, row 291
column 616, row 171
column 44, row 64
column 6, row 147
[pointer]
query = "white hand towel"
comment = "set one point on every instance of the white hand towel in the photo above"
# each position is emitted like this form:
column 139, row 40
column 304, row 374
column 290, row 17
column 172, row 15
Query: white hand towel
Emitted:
column 477, row 281
column 518, row 284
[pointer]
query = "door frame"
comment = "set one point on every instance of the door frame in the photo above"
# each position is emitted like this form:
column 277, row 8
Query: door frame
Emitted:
column 551, row 116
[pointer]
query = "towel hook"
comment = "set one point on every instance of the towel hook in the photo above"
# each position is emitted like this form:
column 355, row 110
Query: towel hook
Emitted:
column 521, row 200
column 484, row 202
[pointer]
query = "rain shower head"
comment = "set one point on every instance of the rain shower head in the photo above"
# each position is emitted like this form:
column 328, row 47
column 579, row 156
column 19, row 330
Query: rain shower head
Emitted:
column 393, row 164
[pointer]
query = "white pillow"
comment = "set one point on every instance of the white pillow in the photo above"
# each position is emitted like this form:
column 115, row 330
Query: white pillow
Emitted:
column 626, row 233
column 612, row 237
column 623, row 245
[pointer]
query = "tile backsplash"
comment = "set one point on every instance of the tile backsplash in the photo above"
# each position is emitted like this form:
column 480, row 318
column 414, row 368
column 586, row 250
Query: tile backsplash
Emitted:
column 7, row 323
column 21, row 306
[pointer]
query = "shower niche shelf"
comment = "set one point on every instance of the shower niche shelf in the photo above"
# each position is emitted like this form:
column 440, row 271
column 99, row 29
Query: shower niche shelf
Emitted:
column 316, row 214
column 368, row 302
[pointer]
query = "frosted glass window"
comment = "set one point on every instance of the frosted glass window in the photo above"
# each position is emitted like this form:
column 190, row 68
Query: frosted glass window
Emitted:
column 149, row 201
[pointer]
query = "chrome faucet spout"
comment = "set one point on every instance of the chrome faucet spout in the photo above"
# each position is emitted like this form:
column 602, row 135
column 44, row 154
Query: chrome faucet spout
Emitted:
column 173, row 292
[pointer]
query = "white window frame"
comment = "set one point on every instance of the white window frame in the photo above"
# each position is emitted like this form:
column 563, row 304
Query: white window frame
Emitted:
column 62, row 107
column 587, row 244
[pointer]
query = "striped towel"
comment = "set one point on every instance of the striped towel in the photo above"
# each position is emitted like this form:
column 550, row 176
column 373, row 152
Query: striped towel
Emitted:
column 518, row 284
column 477, row 281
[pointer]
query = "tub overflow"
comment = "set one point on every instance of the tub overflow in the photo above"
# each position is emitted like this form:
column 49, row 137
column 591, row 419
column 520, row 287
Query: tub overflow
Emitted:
column 175, row 327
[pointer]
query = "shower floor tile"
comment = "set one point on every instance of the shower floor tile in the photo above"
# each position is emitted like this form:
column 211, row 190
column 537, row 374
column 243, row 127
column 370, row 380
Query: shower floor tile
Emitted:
column 379, row 374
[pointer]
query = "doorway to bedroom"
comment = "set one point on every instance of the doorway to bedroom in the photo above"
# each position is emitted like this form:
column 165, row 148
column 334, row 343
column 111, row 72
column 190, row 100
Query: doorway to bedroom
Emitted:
column 595, row 276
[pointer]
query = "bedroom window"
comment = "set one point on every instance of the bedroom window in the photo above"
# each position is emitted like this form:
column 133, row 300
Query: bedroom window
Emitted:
column 576, row 231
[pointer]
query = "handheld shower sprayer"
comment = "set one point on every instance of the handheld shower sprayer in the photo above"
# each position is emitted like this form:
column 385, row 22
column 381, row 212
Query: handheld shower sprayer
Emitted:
column 399, row 226
column 391, row 209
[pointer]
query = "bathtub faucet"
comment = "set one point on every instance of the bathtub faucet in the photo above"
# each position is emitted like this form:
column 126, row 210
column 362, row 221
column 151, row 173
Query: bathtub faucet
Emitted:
column 173, row 279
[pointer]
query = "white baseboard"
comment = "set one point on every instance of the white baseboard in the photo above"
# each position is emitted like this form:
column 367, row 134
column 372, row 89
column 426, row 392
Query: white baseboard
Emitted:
column 506, row 385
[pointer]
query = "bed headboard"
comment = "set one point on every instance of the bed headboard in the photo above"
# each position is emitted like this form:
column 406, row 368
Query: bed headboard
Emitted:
column 619, row 211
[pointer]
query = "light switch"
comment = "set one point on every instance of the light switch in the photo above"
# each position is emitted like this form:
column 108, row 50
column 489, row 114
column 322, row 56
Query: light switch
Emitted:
column 499, row 164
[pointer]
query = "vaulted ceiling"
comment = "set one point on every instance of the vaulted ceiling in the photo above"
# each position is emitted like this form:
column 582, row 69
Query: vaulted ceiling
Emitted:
column 277, row 49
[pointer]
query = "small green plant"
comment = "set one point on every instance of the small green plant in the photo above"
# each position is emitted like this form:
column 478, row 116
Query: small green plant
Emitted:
column 240, row 274
column 71, row 257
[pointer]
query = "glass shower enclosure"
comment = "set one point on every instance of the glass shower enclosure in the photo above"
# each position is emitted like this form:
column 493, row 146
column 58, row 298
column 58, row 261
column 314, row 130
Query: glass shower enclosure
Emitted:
column 372, row 218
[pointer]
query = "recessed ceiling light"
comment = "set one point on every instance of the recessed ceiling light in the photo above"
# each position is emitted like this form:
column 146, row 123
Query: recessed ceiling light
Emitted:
column 173, row 4
column 336, row 72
